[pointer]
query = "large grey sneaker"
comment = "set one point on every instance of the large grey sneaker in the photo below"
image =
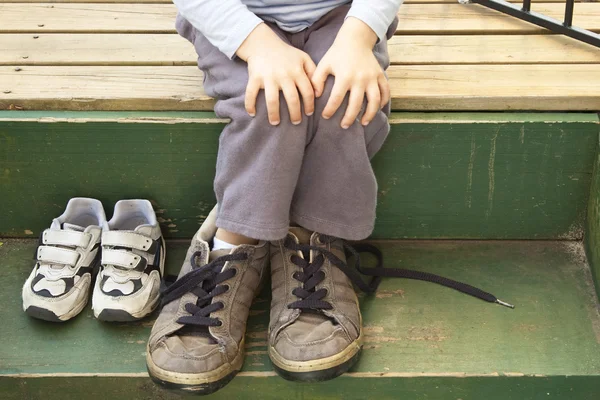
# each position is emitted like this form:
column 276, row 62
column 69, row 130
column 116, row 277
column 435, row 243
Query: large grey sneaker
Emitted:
column 58, row 287
column 133, row 261
column 315, row 331
column 197, row 342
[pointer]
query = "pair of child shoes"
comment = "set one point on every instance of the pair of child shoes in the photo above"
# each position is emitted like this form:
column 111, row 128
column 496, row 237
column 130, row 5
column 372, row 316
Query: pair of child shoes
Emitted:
column 126, row 255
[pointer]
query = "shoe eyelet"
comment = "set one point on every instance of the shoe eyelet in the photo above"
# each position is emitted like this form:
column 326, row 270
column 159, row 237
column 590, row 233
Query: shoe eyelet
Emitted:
column 226, row 287
column 235, row 271
column 318, row 240
column 220, row 323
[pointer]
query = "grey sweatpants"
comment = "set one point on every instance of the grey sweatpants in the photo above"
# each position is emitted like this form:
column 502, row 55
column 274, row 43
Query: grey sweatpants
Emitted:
column 314, row 174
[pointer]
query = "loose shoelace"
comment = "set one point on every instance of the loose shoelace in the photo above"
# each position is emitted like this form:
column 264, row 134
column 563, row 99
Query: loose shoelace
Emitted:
column 205, row 282
column 312, row 275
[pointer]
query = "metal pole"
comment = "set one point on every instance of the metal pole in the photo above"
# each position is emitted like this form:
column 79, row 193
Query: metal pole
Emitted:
column 527, row 5
column 569, row 13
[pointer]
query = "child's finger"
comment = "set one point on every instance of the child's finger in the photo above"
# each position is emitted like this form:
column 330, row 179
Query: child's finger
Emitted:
column 338, row 93
column 308, row 94
column 373, row 103
column 290, row 93
column 357, row 96
column 309, row 66
column 251, row 94
column 272, row 99
column 318, row 78
column 384, row 89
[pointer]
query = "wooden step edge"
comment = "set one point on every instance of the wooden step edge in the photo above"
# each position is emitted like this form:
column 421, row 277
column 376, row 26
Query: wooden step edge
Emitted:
column 207, row 117
column 265, row 374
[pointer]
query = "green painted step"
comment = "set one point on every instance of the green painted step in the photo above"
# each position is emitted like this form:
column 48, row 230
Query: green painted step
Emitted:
column 592, row 236
column 457, row 175
column 423, row 341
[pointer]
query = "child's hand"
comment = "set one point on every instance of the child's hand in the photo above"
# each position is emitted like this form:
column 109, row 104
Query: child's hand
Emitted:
column 274, row 65
column 350, row 59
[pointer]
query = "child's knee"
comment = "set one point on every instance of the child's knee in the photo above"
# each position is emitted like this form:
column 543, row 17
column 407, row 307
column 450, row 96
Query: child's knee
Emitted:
column 375, row 132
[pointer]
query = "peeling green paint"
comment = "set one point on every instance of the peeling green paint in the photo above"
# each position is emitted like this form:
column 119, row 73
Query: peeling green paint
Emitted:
column 593, row 224
column 455, row 175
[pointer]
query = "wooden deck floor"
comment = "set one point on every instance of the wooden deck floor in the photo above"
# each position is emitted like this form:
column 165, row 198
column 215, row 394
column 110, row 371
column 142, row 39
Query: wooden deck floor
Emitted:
column 125, row 55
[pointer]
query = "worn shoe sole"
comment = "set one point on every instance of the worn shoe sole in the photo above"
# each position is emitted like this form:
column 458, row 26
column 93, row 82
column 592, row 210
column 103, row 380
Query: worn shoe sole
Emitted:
column 317, row 370
column 48, row 315
column 114, row 315
column 200, row 383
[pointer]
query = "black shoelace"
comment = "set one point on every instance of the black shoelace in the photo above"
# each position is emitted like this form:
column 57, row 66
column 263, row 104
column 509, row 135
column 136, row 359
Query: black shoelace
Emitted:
column 206, row 283
column 312, row 274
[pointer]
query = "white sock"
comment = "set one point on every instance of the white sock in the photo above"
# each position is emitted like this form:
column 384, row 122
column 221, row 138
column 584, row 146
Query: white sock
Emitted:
column 219, row 244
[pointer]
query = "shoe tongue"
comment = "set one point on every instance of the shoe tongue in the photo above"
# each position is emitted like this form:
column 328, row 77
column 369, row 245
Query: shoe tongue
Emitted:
column 218, row 253
column 302, row 234
column 199, row 335
column 72, row 227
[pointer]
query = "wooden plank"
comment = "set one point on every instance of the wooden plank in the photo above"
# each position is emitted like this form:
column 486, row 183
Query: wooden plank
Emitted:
column 495, row 87
column 104, row 88
column 484, row 175
column 490, row 49
column 96, row 49
column 163, row 49
column 439, row 19
column 414, row 87
column 413, row 329
column 170, row 1
column 592, row 237
column 415, row 19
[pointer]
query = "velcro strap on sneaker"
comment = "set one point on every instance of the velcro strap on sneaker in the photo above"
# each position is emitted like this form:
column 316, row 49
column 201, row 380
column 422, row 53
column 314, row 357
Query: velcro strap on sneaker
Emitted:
column 120, row 258
column 131, row 240
column 57, row 255
column 66, row 238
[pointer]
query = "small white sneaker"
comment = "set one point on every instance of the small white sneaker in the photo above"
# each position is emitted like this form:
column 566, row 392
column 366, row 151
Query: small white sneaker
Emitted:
column 58, row 287
column 133, row 261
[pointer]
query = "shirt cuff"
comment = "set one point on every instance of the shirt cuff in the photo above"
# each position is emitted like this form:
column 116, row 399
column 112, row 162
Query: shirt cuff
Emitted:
column 375, row 19
column 239, row 34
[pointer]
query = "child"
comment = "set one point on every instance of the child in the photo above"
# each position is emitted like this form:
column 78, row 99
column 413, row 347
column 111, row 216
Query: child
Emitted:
column 303, row 84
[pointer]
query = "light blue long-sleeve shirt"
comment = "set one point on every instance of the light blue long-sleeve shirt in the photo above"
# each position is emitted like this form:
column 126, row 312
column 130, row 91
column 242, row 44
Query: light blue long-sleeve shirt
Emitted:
column 227, row 23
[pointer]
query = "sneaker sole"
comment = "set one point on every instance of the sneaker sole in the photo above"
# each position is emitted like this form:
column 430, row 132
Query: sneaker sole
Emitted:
column 42, row 313
column 115, row 315
column 111, row 315
column 199, row 384
column 317, row 370
column 47, row 315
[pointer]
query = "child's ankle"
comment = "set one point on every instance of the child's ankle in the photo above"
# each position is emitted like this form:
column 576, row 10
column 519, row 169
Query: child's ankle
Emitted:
column 234, row 239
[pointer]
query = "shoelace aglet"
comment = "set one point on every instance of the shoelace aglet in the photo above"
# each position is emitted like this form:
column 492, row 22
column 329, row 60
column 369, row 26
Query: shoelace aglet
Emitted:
column 505, row 304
